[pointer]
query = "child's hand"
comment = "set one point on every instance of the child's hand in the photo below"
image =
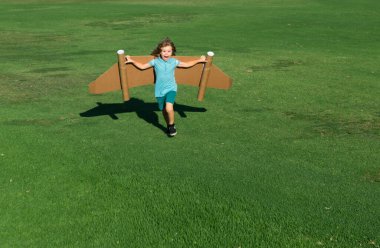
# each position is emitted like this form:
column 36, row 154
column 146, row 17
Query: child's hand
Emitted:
column 128, row 59
column 202, row 59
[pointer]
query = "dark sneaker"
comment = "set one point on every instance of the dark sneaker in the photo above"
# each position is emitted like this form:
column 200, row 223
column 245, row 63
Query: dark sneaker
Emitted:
column 172, row 131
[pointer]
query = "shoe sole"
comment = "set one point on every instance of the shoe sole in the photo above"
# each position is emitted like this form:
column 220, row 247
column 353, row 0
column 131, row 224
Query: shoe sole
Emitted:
column 172, row 134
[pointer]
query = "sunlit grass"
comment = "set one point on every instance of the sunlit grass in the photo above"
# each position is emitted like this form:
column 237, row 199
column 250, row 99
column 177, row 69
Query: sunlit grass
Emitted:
column 288, row 157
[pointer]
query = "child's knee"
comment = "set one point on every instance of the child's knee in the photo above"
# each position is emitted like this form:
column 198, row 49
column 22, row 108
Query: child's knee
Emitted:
column 169, row 107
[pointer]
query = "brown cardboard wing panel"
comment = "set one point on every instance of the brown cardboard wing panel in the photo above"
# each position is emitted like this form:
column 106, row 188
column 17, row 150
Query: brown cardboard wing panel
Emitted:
column 218, row 79
column 189, row 76
column 108, row 81
column 137, row 77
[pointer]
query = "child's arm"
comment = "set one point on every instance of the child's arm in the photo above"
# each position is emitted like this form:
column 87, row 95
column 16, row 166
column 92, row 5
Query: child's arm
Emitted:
column 137, row 64
column 192, row 63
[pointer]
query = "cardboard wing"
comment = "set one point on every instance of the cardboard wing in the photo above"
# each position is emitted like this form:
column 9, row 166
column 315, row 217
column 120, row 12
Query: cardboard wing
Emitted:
column 123, row 76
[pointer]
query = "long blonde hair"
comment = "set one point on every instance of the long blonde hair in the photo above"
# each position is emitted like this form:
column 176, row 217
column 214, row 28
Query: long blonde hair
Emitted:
column 165, row 42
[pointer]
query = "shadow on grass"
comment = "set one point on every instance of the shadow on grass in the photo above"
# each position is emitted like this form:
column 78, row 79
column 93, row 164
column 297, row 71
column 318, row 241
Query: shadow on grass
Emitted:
column 145, row 111
column 278, row 65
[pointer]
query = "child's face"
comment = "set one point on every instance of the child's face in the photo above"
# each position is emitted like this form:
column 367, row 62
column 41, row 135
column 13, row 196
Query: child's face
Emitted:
column 166, row 52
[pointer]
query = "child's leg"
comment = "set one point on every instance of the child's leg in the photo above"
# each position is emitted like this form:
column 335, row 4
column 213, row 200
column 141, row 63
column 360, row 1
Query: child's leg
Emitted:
column 165, row 114
column 161, row 106
column 165, row 104
column 172, row 131
column 169, row 109
column 169, row 113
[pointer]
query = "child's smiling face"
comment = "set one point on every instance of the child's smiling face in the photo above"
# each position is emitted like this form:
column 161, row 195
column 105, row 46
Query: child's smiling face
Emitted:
column 166, row 52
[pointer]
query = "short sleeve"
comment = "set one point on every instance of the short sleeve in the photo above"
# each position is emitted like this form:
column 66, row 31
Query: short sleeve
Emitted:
column 152, row 62
column 177, row 62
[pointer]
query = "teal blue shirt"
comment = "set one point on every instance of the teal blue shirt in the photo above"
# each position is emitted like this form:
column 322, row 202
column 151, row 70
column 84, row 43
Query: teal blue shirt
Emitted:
column 165, row 79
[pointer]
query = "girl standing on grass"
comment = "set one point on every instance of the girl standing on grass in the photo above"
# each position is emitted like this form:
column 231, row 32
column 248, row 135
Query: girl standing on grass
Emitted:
column 165, row 89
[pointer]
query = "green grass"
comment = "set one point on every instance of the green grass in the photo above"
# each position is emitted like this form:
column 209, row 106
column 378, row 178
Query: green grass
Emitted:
column 288, row 157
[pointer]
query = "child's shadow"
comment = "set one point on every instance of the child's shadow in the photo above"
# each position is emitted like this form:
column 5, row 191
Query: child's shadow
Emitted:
column 145, row 111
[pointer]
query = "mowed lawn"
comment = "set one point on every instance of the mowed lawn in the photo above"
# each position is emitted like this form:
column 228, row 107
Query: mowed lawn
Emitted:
column 288, row 157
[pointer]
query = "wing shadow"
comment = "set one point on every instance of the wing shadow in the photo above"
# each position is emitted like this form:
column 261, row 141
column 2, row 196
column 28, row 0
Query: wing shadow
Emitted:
column 144, row 110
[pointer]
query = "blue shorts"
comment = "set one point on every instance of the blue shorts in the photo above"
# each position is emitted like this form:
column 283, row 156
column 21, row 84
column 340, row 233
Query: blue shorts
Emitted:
column 169, row 97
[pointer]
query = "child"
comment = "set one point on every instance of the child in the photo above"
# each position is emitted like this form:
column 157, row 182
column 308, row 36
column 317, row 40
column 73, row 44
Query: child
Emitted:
column 165, row 89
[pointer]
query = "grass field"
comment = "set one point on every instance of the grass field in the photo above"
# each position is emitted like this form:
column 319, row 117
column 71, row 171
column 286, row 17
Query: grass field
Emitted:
column 288, row 157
